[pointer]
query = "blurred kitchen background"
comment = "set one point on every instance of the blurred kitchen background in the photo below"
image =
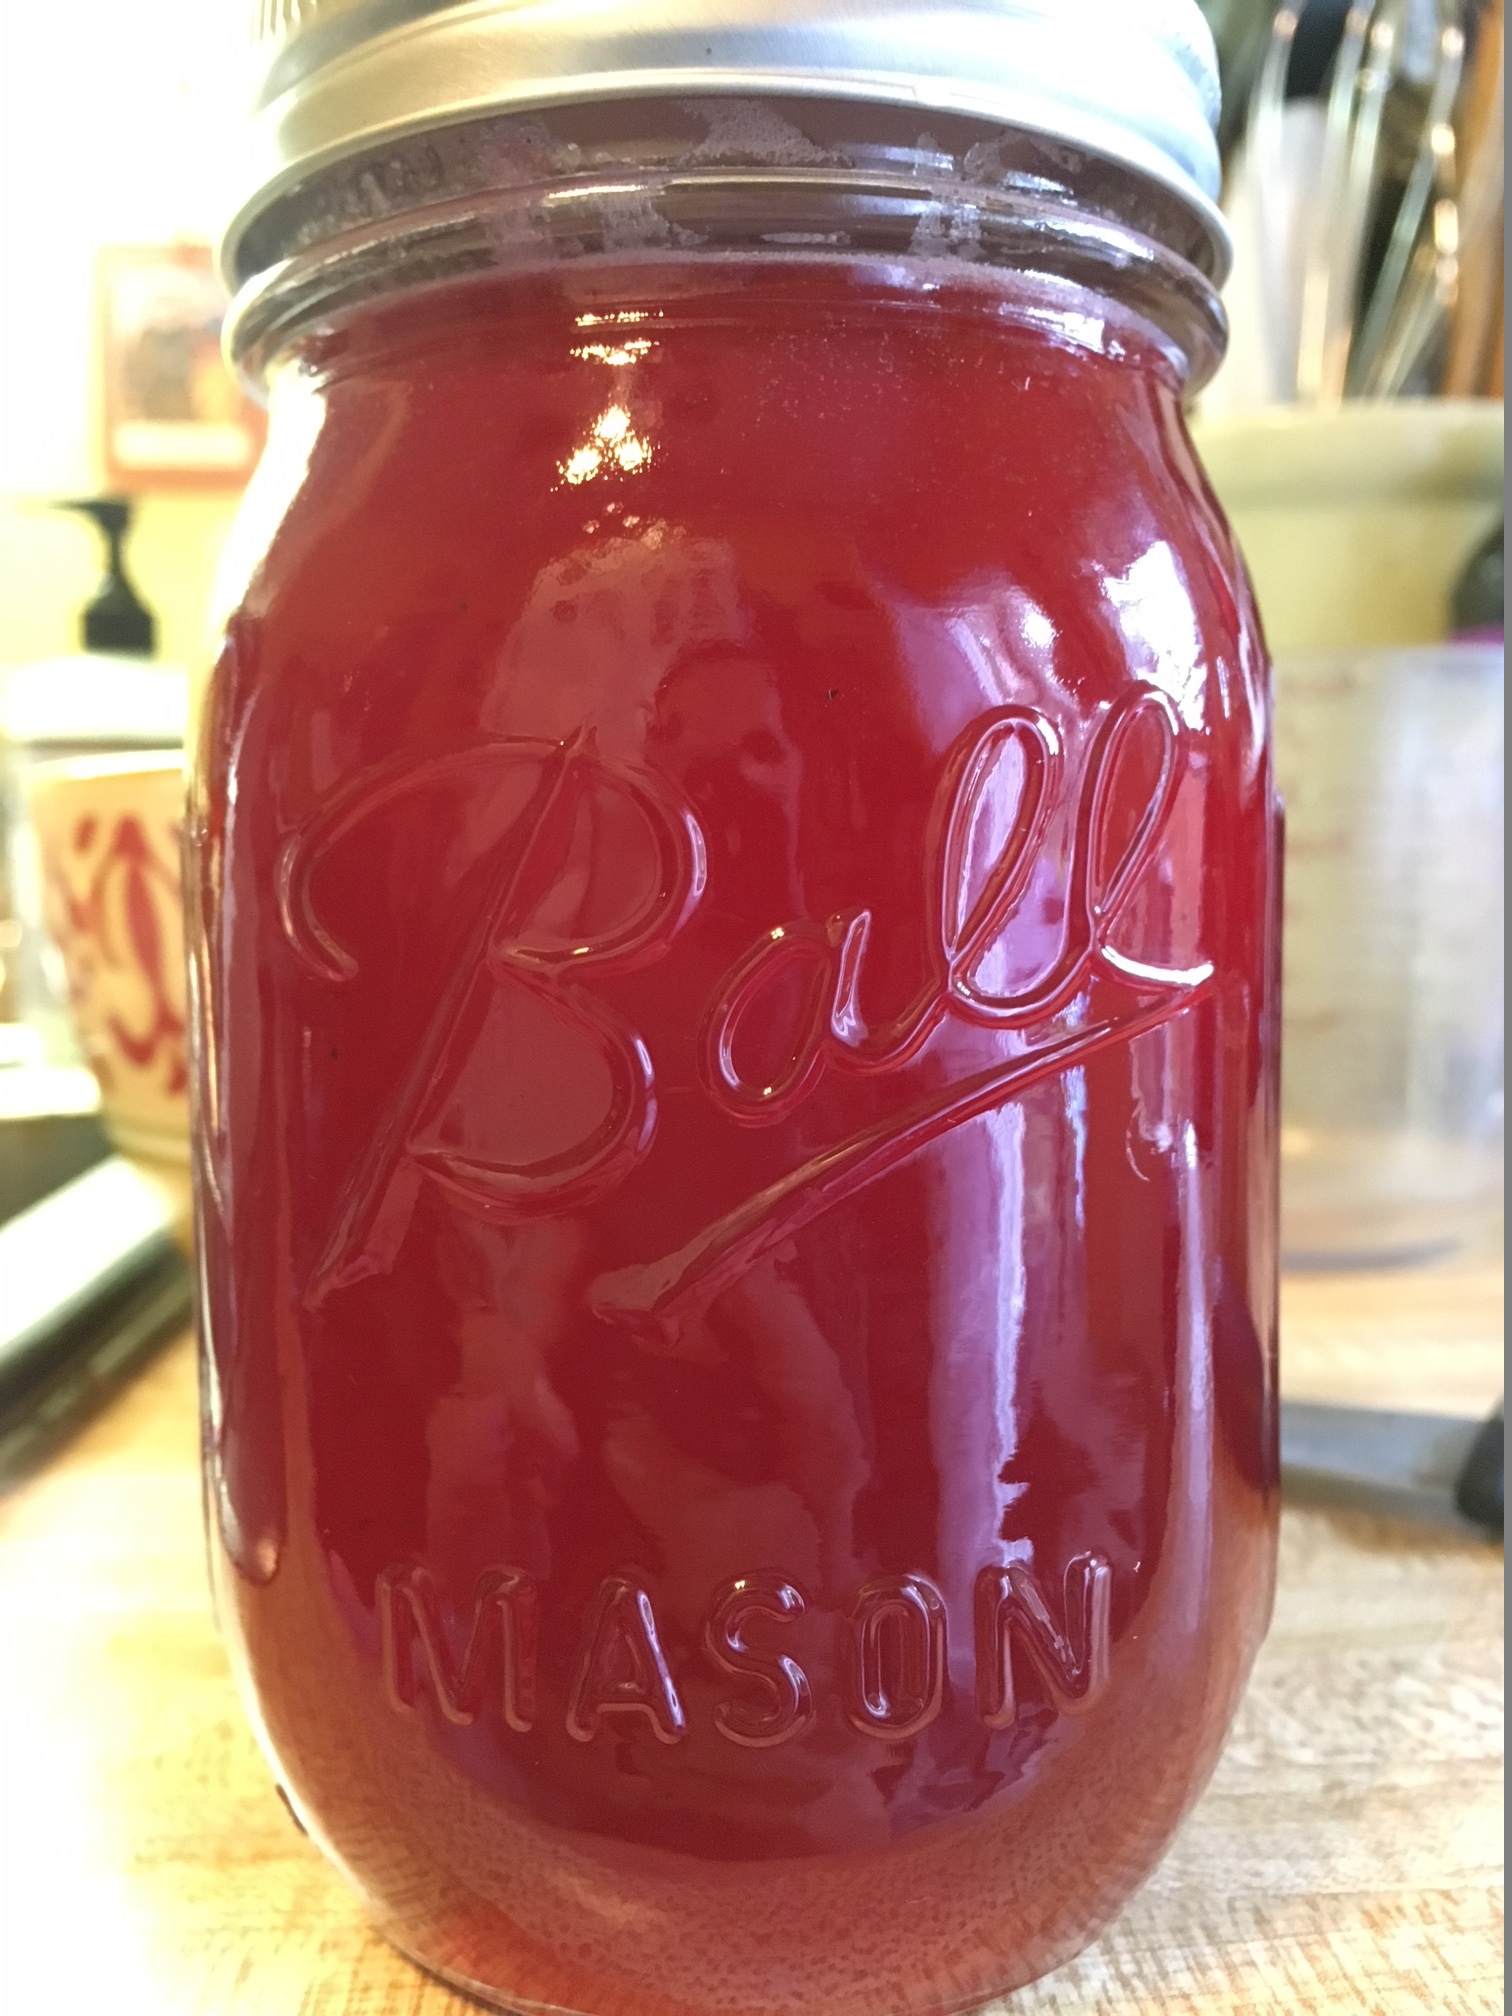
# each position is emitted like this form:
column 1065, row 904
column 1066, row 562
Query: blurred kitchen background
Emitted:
column 114, row 122
column 1355, row 436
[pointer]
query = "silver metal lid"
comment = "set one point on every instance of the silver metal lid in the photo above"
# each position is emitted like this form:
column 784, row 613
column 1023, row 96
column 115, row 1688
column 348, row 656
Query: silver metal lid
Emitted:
column 1135, row 81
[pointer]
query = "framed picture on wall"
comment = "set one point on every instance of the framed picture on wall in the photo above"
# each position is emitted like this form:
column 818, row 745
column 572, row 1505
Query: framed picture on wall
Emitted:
column 171, row 412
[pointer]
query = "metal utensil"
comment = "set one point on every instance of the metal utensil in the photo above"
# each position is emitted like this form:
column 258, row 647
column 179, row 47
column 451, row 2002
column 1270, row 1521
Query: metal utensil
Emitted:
column 1393, row 257
column 1434, row 157
column 1324, row 288
column 1430, row 1468
column 1265, row 141
column 1452, row 290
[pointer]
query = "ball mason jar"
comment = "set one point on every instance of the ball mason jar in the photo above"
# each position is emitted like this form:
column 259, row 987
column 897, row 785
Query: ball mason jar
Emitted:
column 733, row 936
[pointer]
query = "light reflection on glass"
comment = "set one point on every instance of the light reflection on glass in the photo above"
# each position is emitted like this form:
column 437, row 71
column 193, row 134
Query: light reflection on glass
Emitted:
column 612, row 444
column 1152, row 605
column 614, row 353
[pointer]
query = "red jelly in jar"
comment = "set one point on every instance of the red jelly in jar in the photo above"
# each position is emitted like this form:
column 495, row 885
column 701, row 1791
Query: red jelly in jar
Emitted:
column 733, row 925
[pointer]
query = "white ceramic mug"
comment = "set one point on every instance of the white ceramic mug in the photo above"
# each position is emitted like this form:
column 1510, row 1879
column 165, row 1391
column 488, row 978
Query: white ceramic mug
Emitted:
column 108, row 833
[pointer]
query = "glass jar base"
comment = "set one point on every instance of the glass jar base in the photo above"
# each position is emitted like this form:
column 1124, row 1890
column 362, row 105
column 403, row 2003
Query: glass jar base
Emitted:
column 519, row 2005
column 463, row 1984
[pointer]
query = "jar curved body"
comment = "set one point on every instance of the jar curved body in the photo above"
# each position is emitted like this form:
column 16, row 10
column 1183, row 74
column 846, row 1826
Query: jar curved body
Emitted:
column 733, row 860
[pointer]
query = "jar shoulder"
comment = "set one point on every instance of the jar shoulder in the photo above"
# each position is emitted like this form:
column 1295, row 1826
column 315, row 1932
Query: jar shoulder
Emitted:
column 822, row 487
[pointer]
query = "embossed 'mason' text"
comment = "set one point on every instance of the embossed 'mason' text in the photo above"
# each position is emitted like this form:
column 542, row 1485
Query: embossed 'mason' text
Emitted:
column 893, row 1643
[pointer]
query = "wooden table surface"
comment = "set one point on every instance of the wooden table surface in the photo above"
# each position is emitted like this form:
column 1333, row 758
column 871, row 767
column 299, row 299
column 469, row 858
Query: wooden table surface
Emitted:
column 1347, row 1857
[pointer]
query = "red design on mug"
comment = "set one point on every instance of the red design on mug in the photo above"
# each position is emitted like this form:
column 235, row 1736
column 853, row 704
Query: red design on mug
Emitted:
column 117, row 924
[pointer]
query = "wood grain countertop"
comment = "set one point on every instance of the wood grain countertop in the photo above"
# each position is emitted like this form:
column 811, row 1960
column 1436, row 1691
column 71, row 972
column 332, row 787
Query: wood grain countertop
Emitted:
column 1347, row 1857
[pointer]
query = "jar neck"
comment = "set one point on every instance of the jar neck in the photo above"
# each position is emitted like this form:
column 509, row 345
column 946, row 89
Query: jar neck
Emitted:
column 515, row 195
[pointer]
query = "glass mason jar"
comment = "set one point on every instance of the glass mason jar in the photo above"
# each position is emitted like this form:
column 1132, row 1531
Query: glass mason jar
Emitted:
column 733, row 931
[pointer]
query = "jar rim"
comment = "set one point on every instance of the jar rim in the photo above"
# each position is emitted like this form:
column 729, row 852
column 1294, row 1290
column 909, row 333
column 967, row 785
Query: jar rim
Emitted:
column 924, row 245
column 511, row 194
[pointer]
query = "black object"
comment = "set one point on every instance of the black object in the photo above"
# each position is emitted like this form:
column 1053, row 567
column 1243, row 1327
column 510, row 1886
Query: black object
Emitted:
column 1480, row 595
column 1430, row 1468
column 116, row 619
column 91, row 1282
column 1481, row 1491
column 41, row 1151
column 1319, row 33
column 88, row 1361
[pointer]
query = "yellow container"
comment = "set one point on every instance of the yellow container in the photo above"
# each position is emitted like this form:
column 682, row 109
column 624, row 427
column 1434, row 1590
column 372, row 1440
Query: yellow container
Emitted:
column 1358, row 520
